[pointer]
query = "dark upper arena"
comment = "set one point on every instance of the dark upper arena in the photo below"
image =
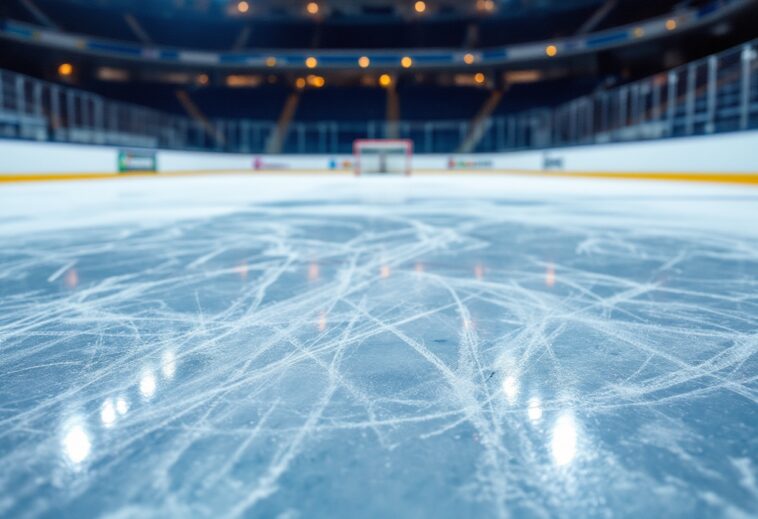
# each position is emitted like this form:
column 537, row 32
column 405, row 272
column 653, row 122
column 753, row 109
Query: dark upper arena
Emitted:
column 321, row 73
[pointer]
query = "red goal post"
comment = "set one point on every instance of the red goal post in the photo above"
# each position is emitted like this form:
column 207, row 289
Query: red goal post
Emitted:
column 382, row 156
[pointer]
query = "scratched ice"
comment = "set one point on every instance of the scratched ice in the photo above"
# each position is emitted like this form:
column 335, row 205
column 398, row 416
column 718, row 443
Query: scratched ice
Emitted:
column 254, row 347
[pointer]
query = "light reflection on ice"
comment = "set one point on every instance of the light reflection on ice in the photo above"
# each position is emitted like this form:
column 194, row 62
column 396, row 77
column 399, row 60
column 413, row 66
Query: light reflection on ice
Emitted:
column 564, row 439
column 242, row 270
column 168, row 364
column 550, row 276
column 321, row 358
column 510, row 388
column 147, row 385
column 534, row 409
column 72, row 278
column 108, row 413
column 122, row 405
column 314, row 271
column 76, row 442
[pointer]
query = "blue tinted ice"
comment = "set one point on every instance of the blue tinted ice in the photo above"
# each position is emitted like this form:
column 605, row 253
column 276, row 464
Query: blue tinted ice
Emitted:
column 378, row 348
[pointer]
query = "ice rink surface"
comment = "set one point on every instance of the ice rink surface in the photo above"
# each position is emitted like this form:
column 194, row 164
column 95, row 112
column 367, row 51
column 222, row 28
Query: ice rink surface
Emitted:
column 302, row 346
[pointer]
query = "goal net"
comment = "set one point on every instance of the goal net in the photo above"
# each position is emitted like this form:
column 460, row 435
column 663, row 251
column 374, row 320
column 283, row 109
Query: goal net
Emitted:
column 383, row 156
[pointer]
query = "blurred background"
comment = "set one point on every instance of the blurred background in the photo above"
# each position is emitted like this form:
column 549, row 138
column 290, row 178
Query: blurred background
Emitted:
column 311, row 77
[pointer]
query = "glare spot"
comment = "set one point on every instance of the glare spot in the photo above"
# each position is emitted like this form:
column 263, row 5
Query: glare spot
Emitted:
column 147, row 385
column 563, row 443
column 510, row 388
column 385, row 271
column 77, row 444
column 322, row 321
column 122, row 405
column 479, row 271
column 168, row 364
column 534, row 410
column 108, row 413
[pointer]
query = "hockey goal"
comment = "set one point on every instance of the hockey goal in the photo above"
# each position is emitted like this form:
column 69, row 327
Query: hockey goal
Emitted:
column 383, row 156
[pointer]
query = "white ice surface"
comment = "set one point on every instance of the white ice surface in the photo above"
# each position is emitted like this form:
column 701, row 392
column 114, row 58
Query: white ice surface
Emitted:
column 322, row 346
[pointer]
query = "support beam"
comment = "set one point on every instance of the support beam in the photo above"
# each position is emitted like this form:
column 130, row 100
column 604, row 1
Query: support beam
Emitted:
column 471, row 39
column 242, row 38
column 392, row 113
column 479, row 122
column 38, row 14
column 276, row 140
column 194, row 111
column 137, row 29
column 316, row 38
column 597, row 17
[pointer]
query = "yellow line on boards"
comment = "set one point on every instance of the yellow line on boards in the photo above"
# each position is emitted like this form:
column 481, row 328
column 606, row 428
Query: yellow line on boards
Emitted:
column 732, row 178
column 737, row 178
column 43, row 177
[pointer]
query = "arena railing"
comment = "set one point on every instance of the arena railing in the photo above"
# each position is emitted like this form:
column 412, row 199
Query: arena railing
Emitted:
column 716, row 94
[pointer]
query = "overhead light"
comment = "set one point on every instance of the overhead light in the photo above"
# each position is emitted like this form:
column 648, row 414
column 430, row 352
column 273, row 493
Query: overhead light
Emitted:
column 671, row 24
column 364, row 62
column 420, row 6
column 65, row 69
column 479, row 78
column 312, row 8
column 551, row 50
column 316, row 81
column 385, row 80
column 468, row 59
column 202, row 79
column 300, row 83
column 311, row 62
column 271, row 61
column 243, row 6
column 486, row 6
column 406, row 62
